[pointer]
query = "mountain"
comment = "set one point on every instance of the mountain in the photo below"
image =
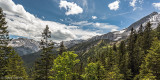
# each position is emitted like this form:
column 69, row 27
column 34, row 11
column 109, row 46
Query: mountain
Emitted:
column 154, row 18
column 85, row 48
column 24, row 46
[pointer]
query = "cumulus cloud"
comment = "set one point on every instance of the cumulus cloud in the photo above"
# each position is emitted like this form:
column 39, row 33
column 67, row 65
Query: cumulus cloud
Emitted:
column 94, row 17
column 156, row 5
column 71, row 7
column 114, row 5
column 22, row 23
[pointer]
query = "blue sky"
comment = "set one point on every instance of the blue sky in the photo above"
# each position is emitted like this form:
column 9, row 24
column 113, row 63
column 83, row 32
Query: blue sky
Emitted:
column 122, row 17
column 91, row 16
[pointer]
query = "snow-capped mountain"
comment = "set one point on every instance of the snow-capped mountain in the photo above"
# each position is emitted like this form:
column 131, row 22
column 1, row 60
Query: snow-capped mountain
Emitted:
column 25, row 46
column 154, row 18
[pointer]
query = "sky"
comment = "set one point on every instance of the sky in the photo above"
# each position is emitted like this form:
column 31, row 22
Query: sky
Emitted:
column 73, row 19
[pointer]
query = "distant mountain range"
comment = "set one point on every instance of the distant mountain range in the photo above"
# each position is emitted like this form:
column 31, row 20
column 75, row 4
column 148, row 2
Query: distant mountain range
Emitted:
column 26, row 46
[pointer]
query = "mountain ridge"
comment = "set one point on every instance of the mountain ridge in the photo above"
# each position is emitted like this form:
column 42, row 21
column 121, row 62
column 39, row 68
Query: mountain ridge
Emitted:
column 26, row 46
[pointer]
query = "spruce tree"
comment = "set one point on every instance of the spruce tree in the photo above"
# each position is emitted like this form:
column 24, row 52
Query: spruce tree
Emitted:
column 62, row 48
column 147, row 37
column 151, row 65
column 158, row 31
column 123, row 61
column 132, row 56
column 45, row 62
column 114, row 47
column 140, row 31
column 4, row 40
column 14, row 68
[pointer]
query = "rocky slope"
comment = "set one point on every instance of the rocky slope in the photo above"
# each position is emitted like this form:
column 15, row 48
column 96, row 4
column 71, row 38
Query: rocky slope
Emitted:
column 154, row 18
column 25, row 46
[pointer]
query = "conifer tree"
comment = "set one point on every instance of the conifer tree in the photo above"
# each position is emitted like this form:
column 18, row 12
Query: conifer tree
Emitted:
column 123, row 61
column 45, row 62
column 14, row 68
column 158, row 31
column 4, row 40
column 140, row 31
column 147, row 37
column 114, row 47
column 151, row 65
column 132, row 56
column 62, row 48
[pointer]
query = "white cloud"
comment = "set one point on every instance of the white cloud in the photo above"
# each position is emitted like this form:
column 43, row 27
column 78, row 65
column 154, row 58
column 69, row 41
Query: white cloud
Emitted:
column 94, row 17
column 71, row 7
column 156, row 5
column 114, row 5
column 22, row 23
column 134, row 2
column 102, row 26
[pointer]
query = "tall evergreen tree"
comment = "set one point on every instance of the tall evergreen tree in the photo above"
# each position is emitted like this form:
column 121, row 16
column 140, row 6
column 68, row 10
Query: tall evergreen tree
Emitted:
column 45, row 62
column 140, row 31
column 114, row 47
column 4, row 40
column 62, row 48
column 151, row 65
column 130, row 48
column 123, row 61
column 147, row 37
column 14, row 68
column 158, row 31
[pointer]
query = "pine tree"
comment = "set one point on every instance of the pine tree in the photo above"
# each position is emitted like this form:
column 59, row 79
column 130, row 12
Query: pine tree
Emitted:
column 115, row 48
column 4, row 39
column 147, row 37
column 45, row 62
column 140, row 31
column 158, row 31
column 64, row 65
column 151, row 65
column 123, row 61
column 62, row 48
column 130, row 48
column 14, row 68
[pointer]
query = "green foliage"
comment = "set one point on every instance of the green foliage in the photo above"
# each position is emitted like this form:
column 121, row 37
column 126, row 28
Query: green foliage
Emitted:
column 62, row 48
column 114, row 74
column 14, row 67
column 158, row 32
column 45, row 62
column 123, row 59
column 147, row 37
column 151, row 65
column 64, row 65
column 94, row 71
